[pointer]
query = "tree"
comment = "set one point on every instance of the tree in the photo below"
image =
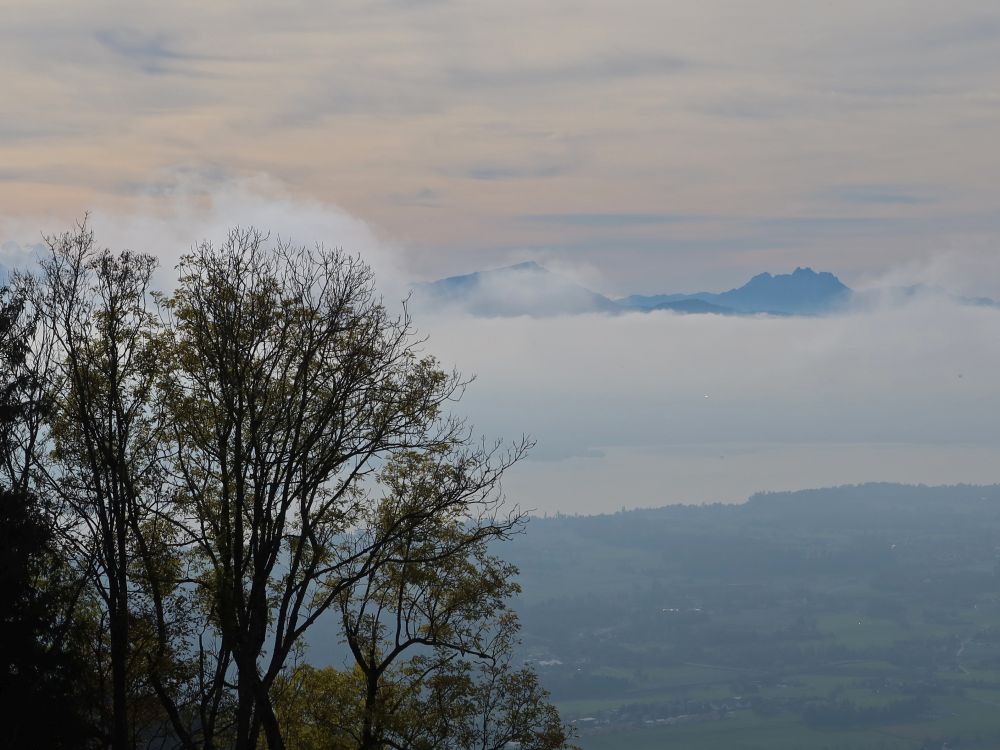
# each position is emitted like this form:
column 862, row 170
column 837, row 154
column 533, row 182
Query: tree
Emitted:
column 98, row 370
column 430, row 630
column 302, row 416
column 42, row 703
column 255, row 454
column 486, row 705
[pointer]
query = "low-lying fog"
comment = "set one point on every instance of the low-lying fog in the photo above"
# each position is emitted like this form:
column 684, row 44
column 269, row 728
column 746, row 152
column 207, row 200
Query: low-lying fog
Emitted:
column 648, row 409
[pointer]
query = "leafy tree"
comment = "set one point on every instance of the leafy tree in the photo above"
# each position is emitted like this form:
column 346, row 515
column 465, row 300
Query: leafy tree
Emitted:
column 319, row 709
column 269, row 447
column 430, row 631
column 103, row 436
column 460, row 706
column 289, row 384
column 42, row 703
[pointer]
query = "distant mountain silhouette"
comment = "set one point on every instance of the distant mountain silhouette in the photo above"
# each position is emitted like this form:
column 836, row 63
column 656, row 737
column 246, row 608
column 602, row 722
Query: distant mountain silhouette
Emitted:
column 523, row 289
column 531, row 289
column 802, row 292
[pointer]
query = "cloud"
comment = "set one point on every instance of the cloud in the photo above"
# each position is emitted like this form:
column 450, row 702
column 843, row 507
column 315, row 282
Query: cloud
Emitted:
column 498, row 171
column 503, row 110
column 813, row 226
column 185, row 207
column 879, row 195
column 968, row 271
column 584, row 70
column 424, row 196
column 641, row 410
column 601, row 220
column 980, row 29
column 153, row 53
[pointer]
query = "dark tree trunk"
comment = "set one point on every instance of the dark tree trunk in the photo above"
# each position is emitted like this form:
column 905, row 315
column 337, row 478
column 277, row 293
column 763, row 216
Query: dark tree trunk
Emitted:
column 268, row 720
column 119, row 680
column 120, row 635
column 369, row 740
column 246, row 665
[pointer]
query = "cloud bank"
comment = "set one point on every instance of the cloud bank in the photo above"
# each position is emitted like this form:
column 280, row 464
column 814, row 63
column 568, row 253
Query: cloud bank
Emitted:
column 642, row 410
column 645, row 409
column 188, row 209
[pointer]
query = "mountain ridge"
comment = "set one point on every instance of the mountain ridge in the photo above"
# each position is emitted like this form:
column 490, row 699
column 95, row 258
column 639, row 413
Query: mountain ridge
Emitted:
column 530, row 289
column 801, row 292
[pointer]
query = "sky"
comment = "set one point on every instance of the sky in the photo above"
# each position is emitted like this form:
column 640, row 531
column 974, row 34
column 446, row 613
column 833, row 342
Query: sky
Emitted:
column 638, row 147
column 680, row 144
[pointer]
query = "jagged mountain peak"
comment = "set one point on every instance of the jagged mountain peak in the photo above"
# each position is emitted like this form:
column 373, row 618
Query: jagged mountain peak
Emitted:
column 801, row 292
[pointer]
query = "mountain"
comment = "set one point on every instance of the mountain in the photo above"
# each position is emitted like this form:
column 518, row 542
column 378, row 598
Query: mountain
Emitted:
column 802, row 292
column 657, row 301
column 531, row 289
column 523, row 289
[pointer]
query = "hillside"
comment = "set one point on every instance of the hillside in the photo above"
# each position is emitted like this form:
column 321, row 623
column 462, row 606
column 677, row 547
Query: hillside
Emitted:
column 856, row 617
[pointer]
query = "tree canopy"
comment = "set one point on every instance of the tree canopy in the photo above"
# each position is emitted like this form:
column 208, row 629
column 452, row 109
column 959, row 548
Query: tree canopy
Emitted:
column 263, row 445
